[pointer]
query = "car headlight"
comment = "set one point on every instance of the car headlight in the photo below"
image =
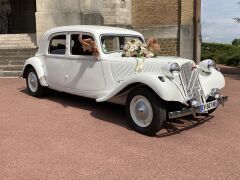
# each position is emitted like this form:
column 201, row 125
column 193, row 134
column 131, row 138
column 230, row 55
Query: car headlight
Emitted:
column 175, row 69
column 207, row 65
column 171, row 70
column 215, row 93
column 211, row 64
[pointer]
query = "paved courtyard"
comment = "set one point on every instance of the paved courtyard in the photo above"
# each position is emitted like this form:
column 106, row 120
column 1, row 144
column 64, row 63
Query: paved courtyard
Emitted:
column 67, row 137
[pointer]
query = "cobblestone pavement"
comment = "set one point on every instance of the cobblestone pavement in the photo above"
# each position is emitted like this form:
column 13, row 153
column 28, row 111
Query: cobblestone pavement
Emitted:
column 62, row 136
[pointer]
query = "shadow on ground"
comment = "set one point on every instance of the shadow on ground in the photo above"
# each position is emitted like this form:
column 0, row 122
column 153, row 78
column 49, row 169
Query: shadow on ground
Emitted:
column 176, row 126
column 115, row 114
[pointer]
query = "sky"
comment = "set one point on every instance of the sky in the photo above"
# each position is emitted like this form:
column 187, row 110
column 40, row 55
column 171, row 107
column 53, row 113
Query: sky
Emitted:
column 217, row 23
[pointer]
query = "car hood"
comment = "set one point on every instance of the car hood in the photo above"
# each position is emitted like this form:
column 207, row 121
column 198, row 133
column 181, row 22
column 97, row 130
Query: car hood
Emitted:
column 122, row 67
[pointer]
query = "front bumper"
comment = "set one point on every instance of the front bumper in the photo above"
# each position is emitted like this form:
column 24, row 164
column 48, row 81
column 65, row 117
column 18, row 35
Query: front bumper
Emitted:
column 193, row 110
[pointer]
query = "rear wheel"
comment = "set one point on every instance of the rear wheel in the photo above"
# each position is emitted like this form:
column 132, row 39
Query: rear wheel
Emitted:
column 145, row 110
column 34, row 88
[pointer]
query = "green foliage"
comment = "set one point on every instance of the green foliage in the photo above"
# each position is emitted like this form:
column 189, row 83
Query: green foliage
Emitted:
column 236, row 42
column 221, row 53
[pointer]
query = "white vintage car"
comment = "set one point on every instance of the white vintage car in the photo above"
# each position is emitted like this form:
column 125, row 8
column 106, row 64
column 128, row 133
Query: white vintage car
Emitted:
column 166, row 87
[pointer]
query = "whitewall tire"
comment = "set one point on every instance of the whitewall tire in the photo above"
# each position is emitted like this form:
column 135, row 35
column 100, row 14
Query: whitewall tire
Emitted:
column 34, row 88
column 145, row 110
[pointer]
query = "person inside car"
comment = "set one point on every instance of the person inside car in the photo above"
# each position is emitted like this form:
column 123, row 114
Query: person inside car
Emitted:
column 88, row 45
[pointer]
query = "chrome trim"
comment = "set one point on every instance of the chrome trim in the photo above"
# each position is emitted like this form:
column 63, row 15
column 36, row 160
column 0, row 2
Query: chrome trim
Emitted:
column 193, row 110
column 191, row 83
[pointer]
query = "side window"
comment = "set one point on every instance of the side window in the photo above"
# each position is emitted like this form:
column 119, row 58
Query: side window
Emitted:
column 77, row 47
column 57, row 45
column 111, row 43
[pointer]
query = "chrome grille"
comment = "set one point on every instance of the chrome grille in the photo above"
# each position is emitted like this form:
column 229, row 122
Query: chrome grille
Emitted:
column 191, row 83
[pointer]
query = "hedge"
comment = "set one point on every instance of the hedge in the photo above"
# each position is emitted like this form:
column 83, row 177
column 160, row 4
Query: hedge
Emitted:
column 221, row 53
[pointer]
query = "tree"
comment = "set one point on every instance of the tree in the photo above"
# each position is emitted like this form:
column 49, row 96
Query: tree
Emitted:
column 236, row 42
column 237, row 20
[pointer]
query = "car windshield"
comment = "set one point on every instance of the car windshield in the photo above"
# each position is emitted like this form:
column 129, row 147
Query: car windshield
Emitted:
column 116, row 43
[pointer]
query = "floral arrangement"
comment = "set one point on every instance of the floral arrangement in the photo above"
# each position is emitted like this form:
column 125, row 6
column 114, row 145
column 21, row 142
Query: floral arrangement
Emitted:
column 136, row 48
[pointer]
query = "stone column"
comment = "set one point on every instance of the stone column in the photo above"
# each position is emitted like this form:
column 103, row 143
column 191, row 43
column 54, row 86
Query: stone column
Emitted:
column 190, row 32
column 56, row 13
column 91, row 11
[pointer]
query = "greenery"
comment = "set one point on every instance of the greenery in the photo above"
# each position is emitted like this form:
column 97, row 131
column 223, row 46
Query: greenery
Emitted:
column 222, row 53
column 236, row 42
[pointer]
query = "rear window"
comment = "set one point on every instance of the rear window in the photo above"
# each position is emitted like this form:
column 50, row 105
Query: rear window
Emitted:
column 57, row 45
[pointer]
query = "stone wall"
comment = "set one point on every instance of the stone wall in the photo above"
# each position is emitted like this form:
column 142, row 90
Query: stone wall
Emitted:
column 61, row 13
column 170, row 21
column 187, row 9
column 75, row 12
column 187, row 30
column 152, row 13
column 56, row 13
column 169, row 47
column 117, row 12
column 167, row 37
column 158, row 18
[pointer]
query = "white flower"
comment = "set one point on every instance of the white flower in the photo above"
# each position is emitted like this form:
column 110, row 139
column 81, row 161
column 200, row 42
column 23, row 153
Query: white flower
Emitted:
column 149, row 55
column 131, row 49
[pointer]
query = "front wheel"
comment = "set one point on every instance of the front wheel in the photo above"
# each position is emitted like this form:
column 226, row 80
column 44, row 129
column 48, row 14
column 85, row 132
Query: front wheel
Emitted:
column 145, row 110
column 34, row 88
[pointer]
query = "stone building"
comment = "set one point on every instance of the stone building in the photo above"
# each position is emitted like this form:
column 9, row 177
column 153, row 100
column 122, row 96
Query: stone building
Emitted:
column 175, row 23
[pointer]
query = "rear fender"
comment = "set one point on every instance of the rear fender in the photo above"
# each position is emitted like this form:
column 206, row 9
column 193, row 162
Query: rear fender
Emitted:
column 36, row 63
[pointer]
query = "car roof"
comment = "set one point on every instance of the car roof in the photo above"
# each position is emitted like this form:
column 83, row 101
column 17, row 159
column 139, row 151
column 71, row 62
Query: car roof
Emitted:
column 93, row 29
column 96, row 30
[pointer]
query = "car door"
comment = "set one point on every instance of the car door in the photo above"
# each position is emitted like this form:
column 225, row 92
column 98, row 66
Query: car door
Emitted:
column 56, row 64
column 84, row 70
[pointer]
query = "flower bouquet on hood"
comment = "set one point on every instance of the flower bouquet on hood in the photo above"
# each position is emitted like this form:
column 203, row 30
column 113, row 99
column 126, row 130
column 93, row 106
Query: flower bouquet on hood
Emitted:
column 136, row 48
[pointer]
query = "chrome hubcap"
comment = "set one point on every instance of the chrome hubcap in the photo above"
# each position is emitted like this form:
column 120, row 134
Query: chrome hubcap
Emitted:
column 141, row 111
column 32, row 82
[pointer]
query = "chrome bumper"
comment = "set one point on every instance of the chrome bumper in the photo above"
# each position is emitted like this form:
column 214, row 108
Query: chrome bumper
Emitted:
column 193, row 110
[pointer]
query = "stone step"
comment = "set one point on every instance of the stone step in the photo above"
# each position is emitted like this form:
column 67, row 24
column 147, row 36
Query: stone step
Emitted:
column 16, row 39
column 16, row 42
column 14, row 46
column 10, row 62
column 12, row 58
column 17, row 36
column 17, row 54
column 32, row 49
column 11, row 68
column 10, row 73
column 22, row 40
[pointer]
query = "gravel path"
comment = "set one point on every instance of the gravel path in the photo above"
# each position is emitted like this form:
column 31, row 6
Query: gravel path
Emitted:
column 67, row 137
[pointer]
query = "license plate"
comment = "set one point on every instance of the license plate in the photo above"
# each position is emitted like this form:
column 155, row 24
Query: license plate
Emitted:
column 208, row 106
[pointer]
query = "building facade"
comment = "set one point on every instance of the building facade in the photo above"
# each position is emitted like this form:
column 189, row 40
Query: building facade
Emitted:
column 175, row 23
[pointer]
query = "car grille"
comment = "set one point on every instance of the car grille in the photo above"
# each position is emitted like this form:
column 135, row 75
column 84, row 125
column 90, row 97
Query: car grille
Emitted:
column 191, row 83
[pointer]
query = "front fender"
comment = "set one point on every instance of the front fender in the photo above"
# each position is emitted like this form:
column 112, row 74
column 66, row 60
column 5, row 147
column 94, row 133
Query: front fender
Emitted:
column 36, row 63
column 166, row 90
column 215, row 79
